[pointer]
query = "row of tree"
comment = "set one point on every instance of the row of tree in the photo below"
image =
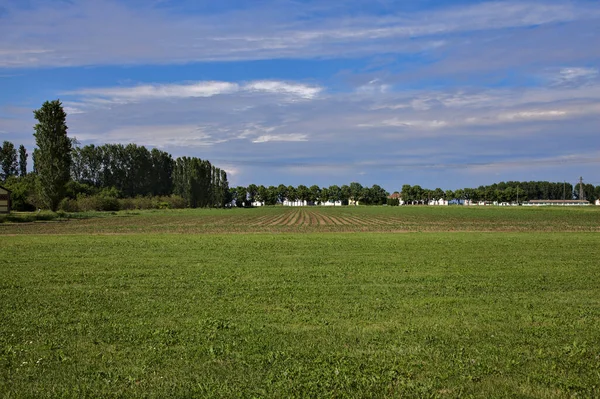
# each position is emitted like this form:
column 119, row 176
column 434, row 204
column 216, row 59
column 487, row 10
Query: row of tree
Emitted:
column 61, row 168
column 354, row 192
column 511, row 191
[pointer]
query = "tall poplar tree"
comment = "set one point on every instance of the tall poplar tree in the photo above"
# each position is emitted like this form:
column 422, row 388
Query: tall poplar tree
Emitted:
column 22, row 160
column 53, row 158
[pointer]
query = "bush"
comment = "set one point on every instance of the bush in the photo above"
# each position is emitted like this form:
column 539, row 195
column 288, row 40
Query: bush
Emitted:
column 68, row 205
column 98, row 202
column 173, row 202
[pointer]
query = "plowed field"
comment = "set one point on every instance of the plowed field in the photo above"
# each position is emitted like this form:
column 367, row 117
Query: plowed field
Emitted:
column 320, row 219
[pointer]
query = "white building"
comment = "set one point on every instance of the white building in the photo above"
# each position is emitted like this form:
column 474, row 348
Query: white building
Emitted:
column 258, row 203
column 440, row 201
column 597, row 202
column 287, row 202
column 557, row 203
column 331, row 203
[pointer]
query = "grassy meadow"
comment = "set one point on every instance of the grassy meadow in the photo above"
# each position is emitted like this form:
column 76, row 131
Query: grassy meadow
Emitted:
column 277, row 303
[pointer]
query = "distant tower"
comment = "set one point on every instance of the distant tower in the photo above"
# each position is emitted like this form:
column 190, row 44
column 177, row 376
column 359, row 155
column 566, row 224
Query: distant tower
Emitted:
column 581, row 188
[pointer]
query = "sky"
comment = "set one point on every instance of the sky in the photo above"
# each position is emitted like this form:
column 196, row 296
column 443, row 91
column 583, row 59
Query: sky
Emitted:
column 438, row 93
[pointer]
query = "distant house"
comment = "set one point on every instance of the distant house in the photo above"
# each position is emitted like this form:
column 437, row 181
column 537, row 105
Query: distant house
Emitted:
column 440, row 201
column 4, row 200
column 331, row 203
column 557, row 203
column 258, row 203
column 287, row 202
column 597, row 202
column 396, row 196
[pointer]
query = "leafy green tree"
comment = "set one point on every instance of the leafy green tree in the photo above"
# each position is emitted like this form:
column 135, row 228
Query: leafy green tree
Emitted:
column 252, row 192
column 325, row 195
column 282, row 193
column 303, row 193
column 8, row 160
column 22, row 160
column 291, row 193
column 272, row 195
column 345, row 194
column 314, row 193
column 53, row 160
column 335, row 193
column 242, row 195
column 407, row 193
column 377, row 195
column 356, row 190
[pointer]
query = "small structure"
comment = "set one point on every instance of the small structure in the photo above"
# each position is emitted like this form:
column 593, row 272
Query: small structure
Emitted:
column 597, row 202
column 258, row 203
column 4, row 200
column 287, row 202
column 331, row 203
column 437, row 202
column 557, row 203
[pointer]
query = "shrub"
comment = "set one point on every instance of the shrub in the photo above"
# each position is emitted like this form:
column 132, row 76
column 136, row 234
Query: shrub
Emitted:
column 97, row 202
column 68, row 205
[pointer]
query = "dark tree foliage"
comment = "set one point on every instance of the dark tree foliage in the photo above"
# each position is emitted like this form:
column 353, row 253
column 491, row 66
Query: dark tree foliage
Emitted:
column 8, row 160
column 511, row 191
column 131, row 169
column 53, row 155
column 22, row 160
column 200, row 183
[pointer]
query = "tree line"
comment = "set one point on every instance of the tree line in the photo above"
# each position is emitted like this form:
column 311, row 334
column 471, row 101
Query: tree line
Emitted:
column 511, row 191
column 64, row 171
column 354, row 192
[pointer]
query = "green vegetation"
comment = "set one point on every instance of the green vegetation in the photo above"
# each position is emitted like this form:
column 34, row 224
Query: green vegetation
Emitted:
column 324, row 219
column 121, row 309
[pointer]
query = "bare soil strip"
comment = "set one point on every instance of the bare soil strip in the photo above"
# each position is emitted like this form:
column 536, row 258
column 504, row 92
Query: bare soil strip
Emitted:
column 327, row 220
column 305, row 218
column 277, row 220
column 313, row 219
column 258, row 221
column 289, row 215
column 357, row 220
column 294, row 220
column 337, row 221
column 320, row 218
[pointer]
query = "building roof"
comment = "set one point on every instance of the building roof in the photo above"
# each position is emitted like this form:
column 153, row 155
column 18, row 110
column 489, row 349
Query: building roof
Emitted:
column 395, row 196
column 4, row 188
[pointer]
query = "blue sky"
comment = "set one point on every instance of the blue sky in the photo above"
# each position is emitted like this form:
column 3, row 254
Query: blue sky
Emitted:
column 438, row 93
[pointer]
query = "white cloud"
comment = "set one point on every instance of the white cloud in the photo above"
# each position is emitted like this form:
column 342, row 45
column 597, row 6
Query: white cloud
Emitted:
column 278, row 87
column 146, row 92
column 143, row 34
column 575, row 74
column 190, row 136
column 374, row 87
column 281, row 137
column 529, row 115
column 158, row 91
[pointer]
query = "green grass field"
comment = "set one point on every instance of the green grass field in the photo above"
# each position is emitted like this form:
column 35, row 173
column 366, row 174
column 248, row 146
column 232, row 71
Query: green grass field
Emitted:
column 277, row 303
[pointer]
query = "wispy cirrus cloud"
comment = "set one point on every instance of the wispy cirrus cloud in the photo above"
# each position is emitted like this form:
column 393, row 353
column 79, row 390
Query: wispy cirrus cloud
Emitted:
column 280, row 137
column 575, row 75
column 146, row 34
column 148, row 92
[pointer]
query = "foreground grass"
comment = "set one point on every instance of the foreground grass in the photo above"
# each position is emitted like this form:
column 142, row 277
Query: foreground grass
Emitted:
column 296, row 315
